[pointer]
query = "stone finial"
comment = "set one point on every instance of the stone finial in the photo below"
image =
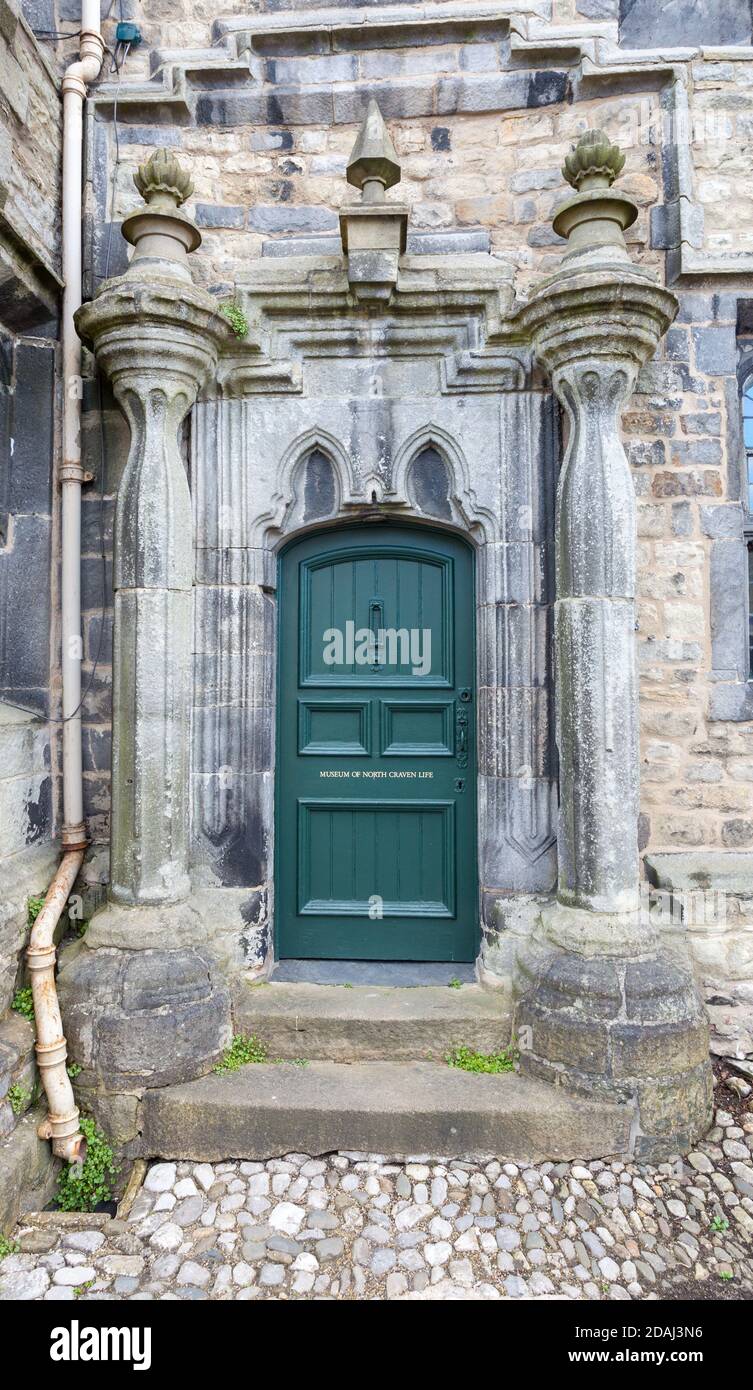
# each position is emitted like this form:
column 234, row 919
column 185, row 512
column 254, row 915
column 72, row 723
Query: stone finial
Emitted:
column 593, row 163
column 160, row 232
column 162, row 183
column 373, row 165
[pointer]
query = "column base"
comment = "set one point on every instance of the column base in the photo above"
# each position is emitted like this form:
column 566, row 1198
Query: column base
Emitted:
column 625, row 1025
column 142, row 999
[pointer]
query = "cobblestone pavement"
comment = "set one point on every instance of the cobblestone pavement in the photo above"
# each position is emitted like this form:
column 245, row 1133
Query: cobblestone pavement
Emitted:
column 361, row 1226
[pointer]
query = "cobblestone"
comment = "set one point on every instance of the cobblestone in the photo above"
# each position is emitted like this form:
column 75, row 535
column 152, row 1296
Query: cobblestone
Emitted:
column 367, row 1226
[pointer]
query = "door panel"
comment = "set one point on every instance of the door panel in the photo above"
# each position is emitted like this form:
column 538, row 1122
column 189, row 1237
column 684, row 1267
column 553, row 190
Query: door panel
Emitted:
column 417, row 729
column 376, row 800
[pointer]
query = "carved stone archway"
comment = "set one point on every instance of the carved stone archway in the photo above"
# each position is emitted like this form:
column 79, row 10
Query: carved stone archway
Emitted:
column 402, row 350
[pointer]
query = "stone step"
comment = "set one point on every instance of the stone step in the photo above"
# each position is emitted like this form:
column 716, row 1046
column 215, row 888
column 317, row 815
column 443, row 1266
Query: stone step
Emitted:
column 336, row 1023
column 394, row 1108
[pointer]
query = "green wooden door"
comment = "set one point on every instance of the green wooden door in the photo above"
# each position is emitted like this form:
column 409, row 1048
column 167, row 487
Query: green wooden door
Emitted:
column 376, row 792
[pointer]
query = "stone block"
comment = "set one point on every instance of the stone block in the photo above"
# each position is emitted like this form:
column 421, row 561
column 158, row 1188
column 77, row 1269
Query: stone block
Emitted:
column 291, row 217
column 569, row 1040
column 397, row 101
column 283, row 107
column 448, row 243
column 25, row 657
column 161, row 136
column 723, row 522
column 715, row 350
column 598, row 9
column 214, row 215
column 705, row 23
column 143, row 1017
column 318, row 245
column 28, row 1171
column 704, row 870
column 729, row 626
column 31, row 469
column 733, row 702
column 305, row 71
column 656, row 991
column 674, row 1112
column 657, row 1049
column 577, row 985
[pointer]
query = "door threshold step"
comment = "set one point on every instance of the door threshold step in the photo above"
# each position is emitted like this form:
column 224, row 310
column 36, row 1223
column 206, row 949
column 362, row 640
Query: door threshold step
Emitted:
column 410, row 974
column 370, row 1022
column 393, row 1108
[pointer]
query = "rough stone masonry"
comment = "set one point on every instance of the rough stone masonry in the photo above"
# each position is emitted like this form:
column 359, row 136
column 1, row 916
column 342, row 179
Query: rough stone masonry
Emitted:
column 608, row 341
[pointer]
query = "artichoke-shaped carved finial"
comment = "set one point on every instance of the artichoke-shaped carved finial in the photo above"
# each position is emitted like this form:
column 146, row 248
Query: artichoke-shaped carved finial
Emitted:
column 593, row 163
column 162, row 182
column 373, row 165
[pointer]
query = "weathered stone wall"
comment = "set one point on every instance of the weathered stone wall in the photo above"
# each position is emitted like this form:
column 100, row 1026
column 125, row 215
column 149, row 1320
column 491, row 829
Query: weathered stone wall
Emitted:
column 29, row 286
column 483, row 101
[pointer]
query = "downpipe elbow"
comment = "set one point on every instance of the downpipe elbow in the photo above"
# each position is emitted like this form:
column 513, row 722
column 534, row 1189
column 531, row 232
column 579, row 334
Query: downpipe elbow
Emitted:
column 72, row 1148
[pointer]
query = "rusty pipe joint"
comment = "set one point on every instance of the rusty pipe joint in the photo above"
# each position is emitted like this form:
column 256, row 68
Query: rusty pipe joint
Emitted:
column 62, row 1123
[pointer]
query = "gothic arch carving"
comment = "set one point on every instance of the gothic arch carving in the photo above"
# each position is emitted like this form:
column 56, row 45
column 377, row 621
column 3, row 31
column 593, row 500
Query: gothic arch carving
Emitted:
column 466, row 513
column 286, row 512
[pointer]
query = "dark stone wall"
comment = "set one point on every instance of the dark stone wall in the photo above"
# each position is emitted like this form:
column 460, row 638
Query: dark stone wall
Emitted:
column 27, row 411
column 651, row 23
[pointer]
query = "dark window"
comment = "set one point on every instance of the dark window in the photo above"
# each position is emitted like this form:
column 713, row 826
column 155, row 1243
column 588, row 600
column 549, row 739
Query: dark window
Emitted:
column 748, row 440
column 748, row 501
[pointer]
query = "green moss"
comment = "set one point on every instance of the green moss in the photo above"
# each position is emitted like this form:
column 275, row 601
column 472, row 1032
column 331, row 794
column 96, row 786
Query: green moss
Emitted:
column 7, row 1247
column 81, row 1187
column 240, row 1053
column 23, row 1003
column 489, row 1062
column 235, row 317
column 19, row 1098
column 33, row 908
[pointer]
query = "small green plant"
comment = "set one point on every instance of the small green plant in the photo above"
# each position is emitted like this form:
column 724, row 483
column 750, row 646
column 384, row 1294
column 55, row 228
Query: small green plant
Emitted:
column 81, row 1187
column 720, row 1223
column 73, row 1070
column 33, row 908
column 23, row 1003
column 242, row 1050
column 81, row 928
column 81, row 1288
column 455, row 983
column 235, row 317
column 19, row 1097
column 490, row 1062
column 726, row 1275
column 347, row 986
column 7, row 1247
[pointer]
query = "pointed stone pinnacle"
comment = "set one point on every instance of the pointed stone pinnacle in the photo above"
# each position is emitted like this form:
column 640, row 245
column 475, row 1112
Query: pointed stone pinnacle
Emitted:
column 373, row 160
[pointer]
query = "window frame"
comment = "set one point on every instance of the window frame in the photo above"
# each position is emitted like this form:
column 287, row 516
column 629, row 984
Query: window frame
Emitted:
column 745, row 378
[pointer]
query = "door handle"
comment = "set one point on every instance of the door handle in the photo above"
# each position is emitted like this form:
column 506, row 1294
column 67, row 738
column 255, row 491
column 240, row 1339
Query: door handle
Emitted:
column 376, row 621
column 461, row 735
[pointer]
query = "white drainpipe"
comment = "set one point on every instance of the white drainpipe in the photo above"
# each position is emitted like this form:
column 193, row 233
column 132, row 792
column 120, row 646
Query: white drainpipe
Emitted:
column 75, row 83
column 62, row 1123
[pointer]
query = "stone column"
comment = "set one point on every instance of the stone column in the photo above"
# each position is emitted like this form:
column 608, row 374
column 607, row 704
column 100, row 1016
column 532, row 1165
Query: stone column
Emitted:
column 157, row 338
column 604, row 1012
